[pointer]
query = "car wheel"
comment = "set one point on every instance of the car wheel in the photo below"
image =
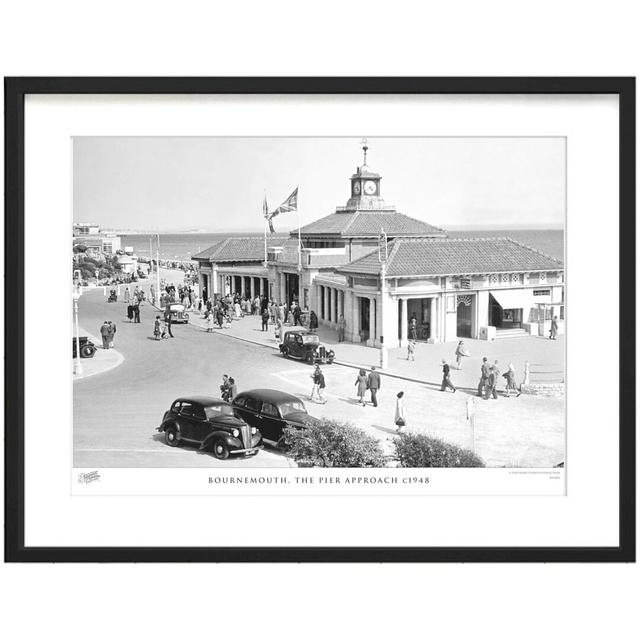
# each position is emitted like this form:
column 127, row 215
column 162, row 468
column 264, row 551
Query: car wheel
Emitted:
column 309, row 358
column 282, row 445
column 186, row 317
column 171, row 436
column 220, row 450
column 285, row 353
column 87, row 351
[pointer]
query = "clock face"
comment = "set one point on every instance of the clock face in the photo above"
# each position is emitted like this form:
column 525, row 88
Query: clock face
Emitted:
column 356, row 188
column 369, row 187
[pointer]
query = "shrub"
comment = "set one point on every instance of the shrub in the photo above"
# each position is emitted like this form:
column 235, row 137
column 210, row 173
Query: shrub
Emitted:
column 334, row 444
column 79, row 248
column 419, row 450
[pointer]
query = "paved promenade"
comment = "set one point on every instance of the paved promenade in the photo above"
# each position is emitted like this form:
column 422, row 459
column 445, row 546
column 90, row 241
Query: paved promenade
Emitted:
column 545, row 357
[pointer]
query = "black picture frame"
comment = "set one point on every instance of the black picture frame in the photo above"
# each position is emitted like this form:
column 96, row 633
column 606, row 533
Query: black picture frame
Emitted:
column 15, row 91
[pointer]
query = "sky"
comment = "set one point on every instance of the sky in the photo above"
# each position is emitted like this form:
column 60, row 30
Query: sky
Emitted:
column 218, row 184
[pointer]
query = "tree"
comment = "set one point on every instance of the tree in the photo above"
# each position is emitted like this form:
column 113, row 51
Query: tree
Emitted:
column 330, row 443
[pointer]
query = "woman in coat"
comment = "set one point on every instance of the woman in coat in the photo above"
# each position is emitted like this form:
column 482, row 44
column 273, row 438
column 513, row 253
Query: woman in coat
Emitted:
column 510, row 377
column 361, row 383
column 401, row 412
column 313, row 321
column 461, row 352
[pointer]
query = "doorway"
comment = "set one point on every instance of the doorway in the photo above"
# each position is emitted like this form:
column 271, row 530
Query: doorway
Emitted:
column 464, row 316
column 419, row 310
column 292, row 286
column 365, row 305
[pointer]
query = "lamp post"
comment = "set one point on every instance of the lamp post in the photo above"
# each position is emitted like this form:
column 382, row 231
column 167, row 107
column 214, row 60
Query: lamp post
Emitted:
column 77, row 366
column 384, row 352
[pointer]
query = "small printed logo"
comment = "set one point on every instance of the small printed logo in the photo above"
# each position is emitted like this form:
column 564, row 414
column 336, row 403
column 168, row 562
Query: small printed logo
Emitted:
column 90, row 476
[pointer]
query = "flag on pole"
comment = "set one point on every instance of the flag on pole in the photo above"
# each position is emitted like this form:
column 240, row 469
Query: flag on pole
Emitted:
column 290, row 204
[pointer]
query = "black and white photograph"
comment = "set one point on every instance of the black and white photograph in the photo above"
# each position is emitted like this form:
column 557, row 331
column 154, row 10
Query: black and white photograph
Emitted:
column 330, row 302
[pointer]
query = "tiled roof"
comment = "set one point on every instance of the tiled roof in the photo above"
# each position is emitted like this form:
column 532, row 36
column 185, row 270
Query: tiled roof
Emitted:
column 368, row 224
column 439, row 257
column 248, row 249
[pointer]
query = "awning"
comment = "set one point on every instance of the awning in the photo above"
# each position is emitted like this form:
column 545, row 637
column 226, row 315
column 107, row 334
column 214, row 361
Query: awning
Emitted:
column 515, row 298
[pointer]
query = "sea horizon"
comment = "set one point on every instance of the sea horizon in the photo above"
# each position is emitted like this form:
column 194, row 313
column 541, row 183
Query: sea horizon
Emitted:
column 181, row 246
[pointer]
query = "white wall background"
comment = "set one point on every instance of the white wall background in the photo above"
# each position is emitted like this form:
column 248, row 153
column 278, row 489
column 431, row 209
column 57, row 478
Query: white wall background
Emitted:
column 331, row 38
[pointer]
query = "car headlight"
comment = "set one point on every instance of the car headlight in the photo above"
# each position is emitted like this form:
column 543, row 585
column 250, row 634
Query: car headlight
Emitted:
column 253, row 431
column 235, row 433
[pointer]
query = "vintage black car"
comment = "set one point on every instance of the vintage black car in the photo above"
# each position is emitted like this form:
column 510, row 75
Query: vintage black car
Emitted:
column 300, row 343
column 177, row 313
column 210, row 423
column 270, row 411
column 87, row 348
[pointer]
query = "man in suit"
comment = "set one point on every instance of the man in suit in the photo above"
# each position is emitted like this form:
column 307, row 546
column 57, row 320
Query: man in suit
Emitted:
column 484, row 376
column 494, row 376
column 105, row 333
column 373, row 384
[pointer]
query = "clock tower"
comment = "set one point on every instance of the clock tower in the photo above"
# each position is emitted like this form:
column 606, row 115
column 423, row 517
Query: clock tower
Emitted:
column 365, row 187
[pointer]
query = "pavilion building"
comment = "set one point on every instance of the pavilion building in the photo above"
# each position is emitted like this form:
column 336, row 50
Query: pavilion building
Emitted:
column 380, row 268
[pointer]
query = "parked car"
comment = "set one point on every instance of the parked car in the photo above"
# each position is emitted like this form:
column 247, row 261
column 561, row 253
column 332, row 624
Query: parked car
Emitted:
column 270, row 411
column 177, row 313
column 304, row 345
column 87, row 348
column 210, row 423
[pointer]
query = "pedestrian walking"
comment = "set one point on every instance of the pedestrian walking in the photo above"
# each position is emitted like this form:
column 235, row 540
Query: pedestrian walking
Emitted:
column 156, row 328
column 413, row 328
column 130, row 312
column 492, row 382
column 168, row 321
column 361, row 383
column 484, row 376
column 553, row 332
column 224, row 388
column 112, row 326
column 446, row 377
column 411, row 350
column 127, row 295
column 461, row 352
column 373, row 384
column 210, row 322
column 313, row 321
column 136, row 312
column 265, row 319
column 318, row 384
column 510, row 377
column 401, row 412
column 105, row 333
column 342, row 325
column 297, row 312
column 233, row 390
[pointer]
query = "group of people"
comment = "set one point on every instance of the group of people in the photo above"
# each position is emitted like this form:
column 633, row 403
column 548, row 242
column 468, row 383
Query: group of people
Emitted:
column 489, row 377
column 107, row 333
column 228, row 389
column 162, row 327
